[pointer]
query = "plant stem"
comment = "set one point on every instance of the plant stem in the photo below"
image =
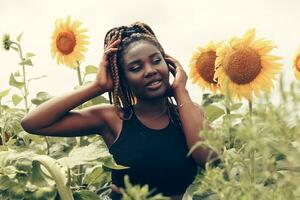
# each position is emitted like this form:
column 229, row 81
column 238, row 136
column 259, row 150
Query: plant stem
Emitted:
column 252, row 152
column 48, row 145
column 24, row 76
column 80, row 138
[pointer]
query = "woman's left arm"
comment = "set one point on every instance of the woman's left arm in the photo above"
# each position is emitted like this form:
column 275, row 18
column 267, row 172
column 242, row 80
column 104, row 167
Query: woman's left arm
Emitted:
column 191, row 114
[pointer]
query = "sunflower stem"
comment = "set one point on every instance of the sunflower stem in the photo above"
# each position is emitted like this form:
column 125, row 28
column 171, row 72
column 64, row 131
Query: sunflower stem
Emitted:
column 24, row 76
column 252, row 152
column 79, row 74
column 80, row 169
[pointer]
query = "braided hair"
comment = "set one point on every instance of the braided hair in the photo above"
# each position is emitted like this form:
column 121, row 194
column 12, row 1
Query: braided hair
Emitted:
column 121, row 96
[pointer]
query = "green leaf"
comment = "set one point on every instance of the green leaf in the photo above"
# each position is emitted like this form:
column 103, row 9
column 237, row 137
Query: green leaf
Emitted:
column 213, row 112
column 235, row 106
column 38, row 177
column 17, row 73
column 5, row 182
column 85, row 195
column 208, row 98
column 4, row 93
column 16, row 99
column 40, row 98
column 15, row 48
column 110, row 164
column 93, row 175
column 26, row 62
column 233, row 116
column 29, row 54
column 91, row 69
column 20, row 37
column 58, row 173
column 13, row 82
column 84, row 155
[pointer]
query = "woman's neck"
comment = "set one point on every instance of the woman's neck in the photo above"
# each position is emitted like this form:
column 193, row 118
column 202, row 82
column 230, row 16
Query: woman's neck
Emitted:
column 149, row 108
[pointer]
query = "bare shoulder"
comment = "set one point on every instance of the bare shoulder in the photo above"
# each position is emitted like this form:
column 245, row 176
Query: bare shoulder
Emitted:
column 107, row 112
column 110, row 117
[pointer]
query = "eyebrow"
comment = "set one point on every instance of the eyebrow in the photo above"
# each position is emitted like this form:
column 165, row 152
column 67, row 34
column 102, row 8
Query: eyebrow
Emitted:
column 137, row 61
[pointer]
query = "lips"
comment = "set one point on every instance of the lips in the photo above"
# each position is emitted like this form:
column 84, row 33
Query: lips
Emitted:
column 154, row 84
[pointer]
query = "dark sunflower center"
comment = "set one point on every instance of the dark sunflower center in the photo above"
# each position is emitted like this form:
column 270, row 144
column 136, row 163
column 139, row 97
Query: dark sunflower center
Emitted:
column 65, row 42
column 242, row 65
column 206, row 66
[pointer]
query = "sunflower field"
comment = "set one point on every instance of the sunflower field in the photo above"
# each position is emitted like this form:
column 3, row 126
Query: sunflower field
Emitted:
column 257, row 142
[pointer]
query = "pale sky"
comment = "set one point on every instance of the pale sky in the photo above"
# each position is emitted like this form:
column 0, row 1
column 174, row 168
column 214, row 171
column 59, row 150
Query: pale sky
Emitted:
column 180, row 26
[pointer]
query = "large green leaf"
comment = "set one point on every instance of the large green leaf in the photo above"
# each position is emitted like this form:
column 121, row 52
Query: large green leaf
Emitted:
column 16, row 99
column 85, row 195
column 29, row 54
column 213, row 112
column 58, row 173
column 95, row 176
column 235, row 106
column 5, row 182
column 91, row 69
column 109, row 163
column 4, row 93
column 13, row 82
column 40, row 98
column 84, row 155
column 26, row 62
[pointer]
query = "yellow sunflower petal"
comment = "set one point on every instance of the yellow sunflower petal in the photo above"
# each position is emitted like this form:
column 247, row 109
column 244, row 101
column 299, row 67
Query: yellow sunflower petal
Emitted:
column 68, row 42
column 246, row 65
column 202, row 66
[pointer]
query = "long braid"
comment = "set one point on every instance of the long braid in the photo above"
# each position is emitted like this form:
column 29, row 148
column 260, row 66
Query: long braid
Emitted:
column 122, row 97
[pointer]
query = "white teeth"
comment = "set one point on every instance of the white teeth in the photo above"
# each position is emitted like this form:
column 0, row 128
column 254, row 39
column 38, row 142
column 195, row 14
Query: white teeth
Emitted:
column 154, row 83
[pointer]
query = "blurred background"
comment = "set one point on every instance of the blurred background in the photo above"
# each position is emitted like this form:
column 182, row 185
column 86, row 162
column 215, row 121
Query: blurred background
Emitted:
column 181, row 26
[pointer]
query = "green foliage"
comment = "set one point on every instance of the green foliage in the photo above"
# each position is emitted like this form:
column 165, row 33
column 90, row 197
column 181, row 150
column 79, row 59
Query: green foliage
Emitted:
column 258, row 149
column 136, row 192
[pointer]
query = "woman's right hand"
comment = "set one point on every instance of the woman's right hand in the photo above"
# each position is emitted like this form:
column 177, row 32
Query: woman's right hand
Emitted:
column 104, row 77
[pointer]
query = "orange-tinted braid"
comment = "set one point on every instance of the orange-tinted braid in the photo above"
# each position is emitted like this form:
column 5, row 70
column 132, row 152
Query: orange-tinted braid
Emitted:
column 121, row 96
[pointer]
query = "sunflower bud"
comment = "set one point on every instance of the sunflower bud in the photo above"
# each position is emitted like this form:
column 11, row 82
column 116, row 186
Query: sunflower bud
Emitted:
column 6, row 41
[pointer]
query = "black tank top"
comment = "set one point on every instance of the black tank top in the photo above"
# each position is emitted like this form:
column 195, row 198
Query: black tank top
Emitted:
column 155, row 157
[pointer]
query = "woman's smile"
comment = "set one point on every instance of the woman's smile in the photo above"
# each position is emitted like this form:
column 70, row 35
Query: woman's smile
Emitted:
column 154, row 85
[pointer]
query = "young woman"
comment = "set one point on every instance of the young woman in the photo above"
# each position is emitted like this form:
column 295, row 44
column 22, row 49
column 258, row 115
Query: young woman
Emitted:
column 142, row 127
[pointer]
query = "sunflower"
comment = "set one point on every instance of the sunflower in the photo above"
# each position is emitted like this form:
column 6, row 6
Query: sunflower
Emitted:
column 244, row 67
column 6, row 42
column 296, row 64
column 202, row 66
column 68, row 42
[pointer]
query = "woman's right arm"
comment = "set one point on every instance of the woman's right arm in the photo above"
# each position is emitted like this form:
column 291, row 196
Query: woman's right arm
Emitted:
column 56, row 117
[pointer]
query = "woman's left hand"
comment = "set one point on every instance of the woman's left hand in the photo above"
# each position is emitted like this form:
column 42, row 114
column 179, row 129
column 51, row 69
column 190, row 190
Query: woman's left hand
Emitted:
column 180, row 76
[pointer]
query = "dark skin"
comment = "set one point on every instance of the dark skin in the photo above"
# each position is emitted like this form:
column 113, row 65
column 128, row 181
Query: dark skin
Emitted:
column 142, row 63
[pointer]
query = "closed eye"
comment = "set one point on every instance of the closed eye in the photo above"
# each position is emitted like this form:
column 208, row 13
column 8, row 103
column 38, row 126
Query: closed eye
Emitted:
column 156, row 61
column 135, row 68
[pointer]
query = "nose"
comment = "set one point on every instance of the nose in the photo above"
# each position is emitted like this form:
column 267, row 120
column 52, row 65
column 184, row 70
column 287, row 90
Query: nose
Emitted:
column 149, row 70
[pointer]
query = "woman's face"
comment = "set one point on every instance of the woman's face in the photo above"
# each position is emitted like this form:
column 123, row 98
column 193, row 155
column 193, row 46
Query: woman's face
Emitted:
column 145, row 70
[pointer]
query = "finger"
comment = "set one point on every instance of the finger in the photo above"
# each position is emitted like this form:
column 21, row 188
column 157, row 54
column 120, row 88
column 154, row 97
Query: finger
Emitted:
column 113, row 39
column 172, row 61
column 115, row 43
column 110, row 51
column 172, row 64
column 172, row 69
